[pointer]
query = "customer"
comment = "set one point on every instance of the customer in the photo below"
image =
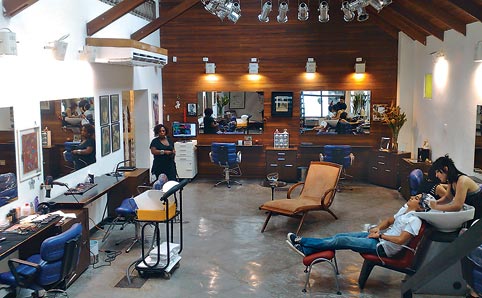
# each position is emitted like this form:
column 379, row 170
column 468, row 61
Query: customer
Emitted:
column 163, row 151
column 460, row 188
column 210, row 125
column 400, row 229
column 84, row 154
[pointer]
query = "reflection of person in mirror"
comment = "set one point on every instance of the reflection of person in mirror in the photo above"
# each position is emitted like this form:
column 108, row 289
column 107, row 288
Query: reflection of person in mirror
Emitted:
column 163, row 151
column 210, row 125
column 84, row 154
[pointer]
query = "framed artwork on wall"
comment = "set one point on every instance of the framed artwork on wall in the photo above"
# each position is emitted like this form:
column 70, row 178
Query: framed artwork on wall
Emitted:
column 155, row 108
column 104, row 110
column 114, row 108
column 115, row 137
column 191, row 109
column 236, row 100
column 105, row 140
column 29, row 152
column 378, row 110
column 282, row 104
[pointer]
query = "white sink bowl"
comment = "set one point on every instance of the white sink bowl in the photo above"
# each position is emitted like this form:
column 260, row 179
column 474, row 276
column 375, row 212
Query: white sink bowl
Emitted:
column 447, row 221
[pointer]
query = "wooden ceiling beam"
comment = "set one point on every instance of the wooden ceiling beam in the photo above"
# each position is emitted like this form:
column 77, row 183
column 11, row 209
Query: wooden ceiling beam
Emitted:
column 402, row 23
column 111, row 15
column 430, row 7
column 474, row 8
column 12, row 7
column 164, row 19
column 388, row 28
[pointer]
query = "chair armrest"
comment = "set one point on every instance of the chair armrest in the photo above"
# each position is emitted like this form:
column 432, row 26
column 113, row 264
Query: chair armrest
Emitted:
column 293, row 187
column 238, row 157
column 211, row 156
column 21, row 279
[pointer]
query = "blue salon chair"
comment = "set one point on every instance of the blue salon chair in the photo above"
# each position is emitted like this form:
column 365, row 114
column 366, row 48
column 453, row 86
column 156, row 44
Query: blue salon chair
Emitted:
column 339, row 154
column 415, row 179
column 51, row 269
column 225, row 156
column 126, row 214
column 8, row 188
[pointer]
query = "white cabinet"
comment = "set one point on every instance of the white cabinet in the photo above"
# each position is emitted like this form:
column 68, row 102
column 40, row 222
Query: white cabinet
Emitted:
column 186, row 159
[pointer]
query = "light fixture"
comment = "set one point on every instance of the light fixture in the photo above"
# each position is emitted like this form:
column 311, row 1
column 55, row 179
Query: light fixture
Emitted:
column 478, row 52
column 437, row 55
column 359, row 6
column 8, row 42
column 265, row 10
column 282, row 12
column 210, row 67
column 58, row 47
column 348, row 15
column 253, row 66
column 311, row 65
column 359, row 65
column 323, row 8
column 362, row 14
column 224, row 8
column 303, row 11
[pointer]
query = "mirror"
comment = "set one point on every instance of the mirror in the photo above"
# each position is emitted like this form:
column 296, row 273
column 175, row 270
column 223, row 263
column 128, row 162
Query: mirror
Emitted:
column 239, row 112
column 61, row 123
column 8, row 165
column 335, row 112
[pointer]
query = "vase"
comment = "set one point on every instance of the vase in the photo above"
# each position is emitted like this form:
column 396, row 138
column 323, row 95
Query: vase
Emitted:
column 394, row 146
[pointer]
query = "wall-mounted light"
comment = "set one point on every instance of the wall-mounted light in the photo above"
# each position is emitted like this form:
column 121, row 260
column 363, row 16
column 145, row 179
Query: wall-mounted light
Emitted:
column 437, row 55
column 265, row 10
column 210, row 67
column 253, row 66
column 58, row 47
column 303, row 11
column 348, row 15
column 323, row 8
column 282, row 12
column 359, row 65
column 8, row 42
column 478, row 52
column 311, row 65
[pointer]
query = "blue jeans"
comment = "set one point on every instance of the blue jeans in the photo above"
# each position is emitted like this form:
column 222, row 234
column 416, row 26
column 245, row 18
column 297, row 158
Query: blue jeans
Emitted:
column 356, row 241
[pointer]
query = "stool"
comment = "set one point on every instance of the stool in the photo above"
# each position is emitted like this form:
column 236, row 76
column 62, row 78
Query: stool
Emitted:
column 322, row 256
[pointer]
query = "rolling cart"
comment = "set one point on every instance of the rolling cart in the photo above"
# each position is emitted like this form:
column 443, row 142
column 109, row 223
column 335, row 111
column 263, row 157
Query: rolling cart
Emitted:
column 153, row 261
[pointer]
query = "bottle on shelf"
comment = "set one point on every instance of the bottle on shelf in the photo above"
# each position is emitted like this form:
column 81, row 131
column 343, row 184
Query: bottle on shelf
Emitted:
column 276, row 138
column 286, row 138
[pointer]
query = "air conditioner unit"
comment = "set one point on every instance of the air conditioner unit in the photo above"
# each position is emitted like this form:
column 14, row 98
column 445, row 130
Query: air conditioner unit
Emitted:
column 125, row 52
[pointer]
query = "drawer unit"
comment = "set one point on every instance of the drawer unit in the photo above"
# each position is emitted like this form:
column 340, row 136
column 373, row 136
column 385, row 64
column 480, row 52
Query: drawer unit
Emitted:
column 186, row 159
column 384, row 168
column 282, row 161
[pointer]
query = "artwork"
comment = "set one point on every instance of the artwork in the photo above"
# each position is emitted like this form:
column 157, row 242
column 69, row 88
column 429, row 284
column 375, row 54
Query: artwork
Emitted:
column 378, row 110
column 114, row 108
column 236, row 100
column 45, row 105
column 115, row 137
column 105, row 140
column 29, row 152
column 282, row 104
column 104, row 109
column 155, row 108
column 191, row 109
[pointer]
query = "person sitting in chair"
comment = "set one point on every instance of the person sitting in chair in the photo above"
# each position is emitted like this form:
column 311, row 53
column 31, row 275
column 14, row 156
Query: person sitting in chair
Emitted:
column 385, row 239
column 84, row 155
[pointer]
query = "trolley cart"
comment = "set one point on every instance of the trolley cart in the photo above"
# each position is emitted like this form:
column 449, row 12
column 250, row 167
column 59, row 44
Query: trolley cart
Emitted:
column 172, row 208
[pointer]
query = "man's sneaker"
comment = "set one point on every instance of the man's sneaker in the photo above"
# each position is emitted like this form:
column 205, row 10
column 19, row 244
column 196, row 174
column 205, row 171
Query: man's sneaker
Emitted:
column 293, row 242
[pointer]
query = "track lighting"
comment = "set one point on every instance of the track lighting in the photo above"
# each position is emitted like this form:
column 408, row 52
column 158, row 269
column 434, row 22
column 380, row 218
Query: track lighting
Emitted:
column 265, row 10
column 324, row 16
column 282, row 12
column 303, row 11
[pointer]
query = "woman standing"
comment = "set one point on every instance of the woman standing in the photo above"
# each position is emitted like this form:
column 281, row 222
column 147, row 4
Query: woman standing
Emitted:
column 84, row 155
column 210, row 125
column 163, row 151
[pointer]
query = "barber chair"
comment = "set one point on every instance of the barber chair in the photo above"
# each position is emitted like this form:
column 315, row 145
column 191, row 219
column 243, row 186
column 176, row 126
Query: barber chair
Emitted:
column 50, row 270
column 225, row 156
column 415, row 178
column 126, row 214
column 339, row 154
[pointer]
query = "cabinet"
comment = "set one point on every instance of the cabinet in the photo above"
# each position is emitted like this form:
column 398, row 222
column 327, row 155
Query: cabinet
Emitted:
column 406, row 166
column 186, row 159
column 282, row 161
column 384, row 168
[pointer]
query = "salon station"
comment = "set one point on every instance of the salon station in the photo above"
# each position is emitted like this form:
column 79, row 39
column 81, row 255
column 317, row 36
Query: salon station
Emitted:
column 265, row 104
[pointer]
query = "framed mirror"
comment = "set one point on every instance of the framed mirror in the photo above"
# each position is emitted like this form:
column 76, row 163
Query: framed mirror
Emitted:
column 8, row 164
column 335, row 112
column 61, row 124
column 233, row 112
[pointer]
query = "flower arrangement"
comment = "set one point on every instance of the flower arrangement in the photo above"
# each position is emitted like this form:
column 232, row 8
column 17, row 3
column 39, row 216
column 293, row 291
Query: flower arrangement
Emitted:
column 221, row 103
column 395, row 119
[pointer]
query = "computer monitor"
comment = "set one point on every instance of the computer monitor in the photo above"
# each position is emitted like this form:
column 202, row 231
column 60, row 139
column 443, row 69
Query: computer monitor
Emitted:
column 184, row 130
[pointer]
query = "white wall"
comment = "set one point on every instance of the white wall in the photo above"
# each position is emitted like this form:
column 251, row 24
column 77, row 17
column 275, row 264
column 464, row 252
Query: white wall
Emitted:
column 33, row 75
column 447, row 120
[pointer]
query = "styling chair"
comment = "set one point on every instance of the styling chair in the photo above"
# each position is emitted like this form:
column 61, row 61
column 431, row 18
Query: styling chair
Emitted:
column 225, row 156
column 317, row 194
column 415, row 179
column 8, row 188
column 339, row 154
column 327, row 256
column 405, row 261
column 50, row 270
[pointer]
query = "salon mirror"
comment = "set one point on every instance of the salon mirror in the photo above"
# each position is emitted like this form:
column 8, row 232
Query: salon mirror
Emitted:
column 61, row 122
column 321, row 112
column 236, row 112
column 8, row 165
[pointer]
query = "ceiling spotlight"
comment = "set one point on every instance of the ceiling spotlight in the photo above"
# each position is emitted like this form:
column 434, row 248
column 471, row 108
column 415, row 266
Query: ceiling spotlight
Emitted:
column 377, row 4
column 311, row 65
column 362, row 14
column 265, row 10
column 348, row 15
column 303, row 12
column 282, row 12
column 478, row 52
column 360, row 65
column 324, row 16
column 235, row 12
column 223, row 9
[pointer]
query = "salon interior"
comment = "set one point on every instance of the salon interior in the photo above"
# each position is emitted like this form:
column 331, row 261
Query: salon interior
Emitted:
column 277, row 76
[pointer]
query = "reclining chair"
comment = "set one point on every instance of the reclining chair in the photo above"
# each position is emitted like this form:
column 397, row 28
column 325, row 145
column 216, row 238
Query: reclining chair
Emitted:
column 51, row 269
column 225, row 155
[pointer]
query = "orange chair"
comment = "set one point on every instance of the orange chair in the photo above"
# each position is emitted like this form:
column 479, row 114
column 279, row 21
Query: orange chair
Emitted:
column 328, row 256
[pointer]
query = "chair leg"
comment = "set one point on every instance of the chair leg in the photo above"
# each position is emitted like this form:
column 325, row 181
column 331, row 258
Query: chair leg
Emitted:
column 331, row 212
column 266, row 221
column 301, row 223
column 365, row 273
column 308, row 272
column 334, row 265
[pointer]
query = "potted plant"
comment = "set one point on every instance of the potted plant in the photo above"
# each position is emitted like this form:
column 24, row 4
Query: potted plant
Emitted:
column 395, row 119
column 359, row 102
column 222, row 101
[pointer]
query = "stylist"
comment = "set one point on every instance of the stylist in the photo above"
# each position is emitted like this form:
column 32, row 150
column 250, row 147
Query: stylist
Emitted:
column 163, row 151
column 84, row 154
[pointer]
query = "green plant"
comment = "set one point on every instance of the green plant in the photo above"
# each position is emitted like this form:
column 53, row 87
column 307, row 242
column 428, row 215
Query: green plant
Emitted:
column 359, row 102
column 222, row 102
column 395, row 119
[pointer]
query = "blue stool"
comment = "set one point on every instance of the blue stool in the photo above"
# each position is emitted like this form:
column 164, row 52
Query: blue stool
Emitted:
column 126, row 214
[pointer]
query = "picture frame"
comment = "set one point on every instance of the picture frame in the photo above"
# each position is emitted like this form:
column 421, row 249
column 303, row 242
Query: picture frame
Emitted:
column 115, row 141
column 45, row 105
column 104, row 109
column 385, row 143
column 191, row 109
column 114, row 108
column 105, row 140
column 236, row 100
column 281, row 104
column 29, row 147
column 378, row 110
column 155, row 108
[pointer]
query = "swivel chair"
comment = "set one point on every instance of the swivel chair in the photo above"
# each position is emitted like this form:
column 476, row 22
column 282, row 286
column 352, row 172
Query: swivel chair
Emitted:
column 126, row 214
column 225, row 156
column 51, row 269
column 339, row 154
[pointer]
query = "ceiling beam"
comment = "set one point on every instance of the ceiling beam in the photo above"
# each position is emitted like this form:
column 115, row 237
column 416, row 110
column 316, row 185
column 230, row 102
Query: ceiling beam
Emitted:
column 402, row 23
column 111, row 15
column 164, row 19
column 12, row 7
column 388, row 28
column 474, row 8
column 430, row 7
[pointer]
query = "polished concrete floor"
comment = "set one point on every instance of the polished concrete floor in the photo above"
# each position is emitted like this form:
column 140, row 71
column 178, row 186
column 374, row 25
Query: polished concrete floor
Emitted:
column 225, row 255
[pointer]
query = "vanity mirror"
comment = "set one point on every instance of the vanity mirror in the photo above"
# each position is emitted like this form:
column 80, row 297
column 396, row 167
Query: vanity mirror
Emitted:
column 8, row 168
column 235, row 112
column 62, row 120
column 335, row 112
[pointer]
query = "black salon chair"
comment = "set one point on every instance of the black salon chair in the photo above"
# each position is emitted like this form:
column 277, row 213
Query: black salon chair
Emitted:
column 225, row 156
column 339, row 154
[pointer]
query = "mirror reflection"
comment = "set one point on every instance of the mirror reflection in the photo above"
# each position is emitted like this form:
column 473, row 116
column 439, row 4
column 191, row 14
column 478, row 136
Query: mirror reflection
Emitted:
column 233, row 112
column 8, row 166
column 67, row 125
column 335, row 112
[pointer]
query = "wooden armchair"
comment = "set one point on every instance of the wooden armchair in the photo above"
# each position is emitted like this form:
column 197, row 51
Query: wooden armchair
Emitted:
column 317, row 193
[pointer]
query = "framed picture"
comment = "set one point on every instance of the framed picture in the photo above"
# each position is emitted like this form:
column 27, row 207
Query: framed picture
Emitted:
column 282, row 104
column 105, row 140
column 29, row 152
column 115, row 137
column 385, row 144
column 236, row 100
column 155, row 108
column 45, row 105
column 191, row 109
column 104, row 110
column 114, row 108
column 378, row 111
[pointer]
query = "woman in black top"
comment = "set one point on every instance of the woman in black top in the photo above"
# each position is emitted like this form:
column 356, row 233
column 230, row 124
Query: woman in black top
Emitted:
column 210, row 125
column 163, row 151
column 84, row 155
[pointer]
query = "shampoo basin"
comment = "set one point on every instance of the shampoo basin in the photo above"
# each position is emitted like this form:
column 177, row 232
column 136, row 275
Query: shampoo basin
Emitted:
column 447, row 221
